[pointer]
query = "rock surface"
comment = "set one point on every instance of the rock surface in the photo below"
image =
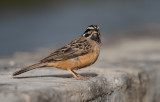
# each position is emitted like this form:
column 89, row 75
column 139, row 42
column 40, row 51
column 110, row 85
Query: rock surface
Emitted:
column 126, row 71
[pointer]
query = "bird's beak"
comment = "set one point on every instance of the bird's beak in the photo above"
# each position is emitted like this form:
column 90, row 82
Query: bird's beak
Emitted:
column 95, row 32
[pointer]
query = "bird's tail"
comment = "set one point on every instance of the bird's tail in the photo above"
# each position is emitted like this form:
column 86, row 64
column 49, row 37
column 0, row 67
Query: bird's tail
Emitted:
column 34, row 66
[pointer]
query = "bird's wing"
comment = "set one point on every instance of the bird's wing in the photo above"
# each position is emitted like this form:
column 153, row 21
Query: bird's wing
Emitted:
column 76, row 48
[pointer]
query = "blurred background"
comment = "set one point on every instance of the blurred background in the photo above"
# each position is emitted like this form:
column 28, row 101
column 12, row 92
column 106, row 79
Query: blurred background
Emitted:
column 26, row 25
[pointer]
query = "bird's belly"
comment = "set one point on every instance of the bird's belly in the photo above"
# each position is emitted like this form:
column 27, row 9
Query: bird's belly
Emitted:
column 87, row 60
column 76, row 63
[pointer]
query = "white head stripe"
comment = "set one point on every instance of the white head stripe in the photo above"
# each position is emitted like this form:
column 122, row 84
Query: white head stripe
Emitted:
column 90, row 28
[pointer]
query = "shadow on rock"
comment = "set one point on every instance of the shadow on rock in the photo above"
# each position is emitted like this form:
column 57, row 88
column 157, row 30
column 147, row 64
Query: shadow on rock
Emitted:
column 59, row 76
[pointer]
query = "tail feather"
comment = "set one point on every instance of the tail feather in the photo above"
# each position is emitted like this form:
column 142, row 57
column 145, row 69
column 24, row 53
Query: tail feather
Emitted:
column 34, row 66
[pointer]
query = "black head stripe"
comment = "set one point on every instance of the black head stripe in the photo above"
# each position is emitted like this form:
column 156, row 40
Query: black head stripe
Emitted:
column 86, row 35
column 87, row 31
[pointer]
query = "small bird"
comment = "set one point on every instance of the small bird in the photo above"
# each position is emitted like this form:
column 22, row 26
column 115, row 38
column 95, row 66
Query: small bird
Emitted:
column 77, row 54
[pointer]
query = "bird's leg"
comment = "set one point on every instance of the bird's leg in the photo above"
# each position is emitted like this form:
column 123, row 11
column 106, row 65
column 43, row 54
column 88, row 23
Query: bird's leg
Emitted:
column 73, row 73
column 76, row 75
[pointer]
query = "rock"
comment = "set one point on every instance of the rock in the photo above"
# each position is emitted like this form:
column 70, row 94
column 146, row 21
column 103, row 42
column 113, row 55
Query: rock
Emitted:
column 103, row 85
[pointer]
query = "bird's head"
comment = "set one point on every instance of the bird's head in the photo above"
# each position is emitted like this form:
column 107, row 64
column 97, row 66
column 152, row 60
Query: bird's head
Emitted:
column 92, row 32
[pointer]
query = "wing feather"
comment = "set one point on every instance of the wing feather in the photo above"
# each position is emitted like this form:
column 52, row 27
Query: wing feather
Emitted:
column 77, row 47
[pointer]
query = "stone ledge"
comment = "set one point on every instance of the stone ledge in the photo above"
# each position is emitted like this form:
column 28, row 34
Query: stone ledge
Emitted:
column 103, row 85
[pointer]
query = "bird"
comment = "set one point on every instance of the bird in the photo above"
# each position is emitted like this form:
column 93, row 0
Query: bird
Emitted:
column 79, row 53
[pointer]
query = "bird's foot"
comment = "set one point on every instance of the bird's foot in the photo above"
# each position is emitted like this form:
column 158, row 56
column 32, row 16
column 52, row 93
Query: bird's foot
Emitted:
column 79, row 77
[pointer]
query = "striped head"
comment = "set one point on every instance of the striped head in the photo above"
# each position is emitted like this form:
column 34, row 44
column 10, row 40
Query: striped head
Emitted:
column 92, row 32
